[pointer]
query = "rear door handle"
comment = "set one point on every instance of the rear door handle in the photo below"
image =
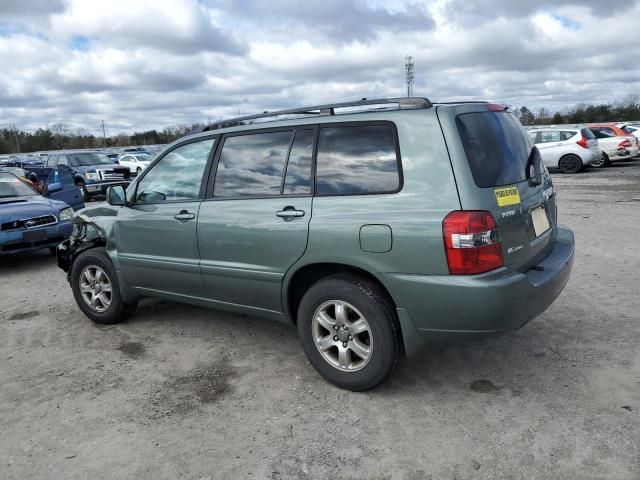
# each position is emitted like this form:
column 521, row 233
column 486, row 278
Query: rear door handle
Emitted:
column 289, row 213
column 183, row 216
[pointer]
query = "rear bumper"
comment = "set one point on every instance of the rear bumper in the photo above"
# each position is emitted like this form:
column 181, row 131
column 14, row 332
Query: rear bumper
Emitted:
column 13, row 242
column 590, row 156
column 433, row 307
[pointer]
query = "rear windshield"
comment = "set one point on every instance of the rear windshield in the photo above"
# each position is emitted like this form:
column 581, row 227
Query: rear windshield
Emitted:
column 588, row 134
column 84, row 159
column 496, row 146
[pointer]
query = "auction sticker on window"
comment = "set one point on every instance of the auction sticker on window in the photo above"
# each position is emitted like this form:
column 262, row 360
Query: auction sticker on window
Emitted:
column 507, row 196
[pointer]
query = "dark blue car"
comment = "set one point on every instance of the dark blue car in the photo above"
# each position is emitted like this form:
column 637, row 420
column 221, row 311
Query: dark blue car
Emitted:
column 31, row 221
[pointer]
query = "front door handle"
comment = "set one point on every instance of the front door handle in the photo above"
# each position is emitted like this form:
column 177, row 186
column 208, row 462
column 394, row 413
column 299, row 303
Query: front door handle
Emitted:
column 289, row 213
column 183, row 216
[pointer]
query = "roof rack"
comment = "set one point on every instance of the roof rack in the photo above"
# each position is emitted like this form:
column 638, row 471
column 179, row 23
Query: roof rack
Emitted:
column 403, row 103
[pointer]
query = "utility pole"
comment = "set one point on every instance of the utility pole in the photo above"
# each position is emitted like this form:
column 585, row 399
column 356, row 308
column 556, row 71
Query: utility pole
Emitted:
column 410, row 70
column 104, row 135
column 15, row 134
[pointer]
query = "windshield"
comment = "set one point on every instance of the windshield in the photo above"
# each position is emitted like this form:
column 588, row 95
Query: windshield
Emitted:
column 143, row 157
column 496, row 146
column 10, row 186
column 18, row 172
column 84, row 159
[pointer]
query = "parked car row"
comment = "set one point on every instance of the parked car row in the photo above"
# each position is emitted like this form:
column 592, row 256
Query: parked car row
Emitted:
column 571, row 148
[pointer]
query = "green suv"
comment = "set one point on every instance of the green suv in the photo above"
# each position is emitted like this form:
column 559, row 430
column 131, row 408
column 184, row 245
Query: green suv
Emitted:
column 375, row 227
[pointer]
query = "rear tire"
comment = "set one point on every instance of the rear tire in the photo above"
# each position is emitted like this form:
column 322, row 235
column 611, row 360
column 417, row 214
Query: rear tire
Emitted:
column 96, row 289
column 364, row 354
column 570, row 164
column 138, row 171
column 83, row 191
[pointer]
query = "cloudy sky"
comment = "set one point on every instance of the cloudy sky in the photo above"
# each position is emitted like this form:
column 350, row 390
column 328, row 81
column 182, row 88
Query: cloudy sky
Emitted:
column 142, row 64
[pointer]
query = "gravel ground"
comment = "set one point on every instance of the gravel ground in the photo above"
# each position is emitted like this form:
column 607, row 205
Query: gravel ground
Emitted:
column 181, row 392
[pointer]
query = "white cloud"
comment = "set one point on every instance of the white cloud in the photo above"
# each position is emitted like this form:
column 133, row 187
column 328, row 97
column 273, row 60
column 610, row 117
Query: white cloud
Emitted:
column 150, row 63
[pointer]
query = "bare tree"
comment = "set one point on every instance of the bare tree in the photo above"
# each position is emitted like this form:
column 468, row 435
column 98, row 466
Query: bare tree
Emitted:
column 61, row 133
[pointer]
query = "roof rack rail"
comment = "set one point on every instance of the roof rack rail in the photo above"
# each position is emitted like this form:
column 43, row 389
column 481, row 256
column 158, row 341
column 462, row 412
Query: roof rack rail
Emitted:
column 403, row 103
column 461, row 101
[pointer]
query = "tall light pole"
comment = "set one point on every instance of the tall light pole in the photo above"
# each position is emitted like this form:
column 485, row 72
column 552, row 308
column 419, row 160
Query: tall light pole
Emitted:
column 410, row 71
column 15, row 133
column 104, row 135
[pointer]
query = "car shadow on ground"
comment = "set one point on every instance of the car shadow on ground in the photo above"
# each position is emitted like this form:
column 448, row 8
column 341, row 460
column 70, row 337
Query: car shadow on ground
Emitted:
column 513, row 364
column 25, row 262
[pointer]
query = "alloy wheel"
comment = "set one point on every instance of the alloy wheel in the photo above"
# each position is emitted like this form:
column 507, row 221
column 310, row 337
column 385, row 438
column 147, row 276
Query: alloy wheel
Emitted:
column 96, row 288
column 342, row 335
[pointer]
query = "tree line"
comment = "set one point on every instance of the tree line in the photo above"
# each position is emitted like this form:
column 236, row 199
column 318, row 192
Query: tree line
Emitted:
column 620, row 111
column 60, row 136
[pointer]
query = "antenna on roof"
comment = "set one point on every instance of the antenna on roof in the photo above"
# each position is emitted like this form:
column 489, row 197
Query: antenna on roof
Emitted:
column 410, row 71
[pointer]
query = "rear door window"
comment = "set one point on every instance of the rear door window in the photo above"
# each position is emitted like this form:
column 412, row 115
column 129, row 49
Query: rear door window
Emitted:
column 548, row 137
column 355, row 160
column 601, row 133
column 496, row 146
column 252, row 165
column 298, row 176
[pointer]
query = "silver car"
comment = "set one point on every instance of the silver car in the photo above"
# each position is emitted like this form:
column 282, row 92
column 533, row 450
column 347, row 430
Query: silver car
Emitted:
column 569, row 149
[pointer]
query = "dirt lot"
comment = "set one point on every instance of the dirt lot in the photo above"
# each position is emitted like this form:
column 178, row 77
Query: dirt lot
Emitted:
column 180, row 392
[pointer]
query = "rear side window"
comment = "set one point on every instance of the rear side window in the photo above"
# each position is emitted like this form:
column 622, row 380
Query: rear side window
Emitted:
column 356, row 160
column 496, row 146
column 252, row 165
column 567, row 135
column 588, row 134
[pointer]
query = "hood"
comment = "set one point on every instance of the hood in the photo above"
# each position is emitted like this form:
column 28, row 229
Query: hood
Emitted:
column 17, row 208
column 100, row 166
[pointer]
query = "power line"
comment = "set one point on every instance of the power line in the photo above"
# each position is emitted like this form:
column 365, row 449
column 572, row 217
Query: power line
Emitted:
column 410, row 72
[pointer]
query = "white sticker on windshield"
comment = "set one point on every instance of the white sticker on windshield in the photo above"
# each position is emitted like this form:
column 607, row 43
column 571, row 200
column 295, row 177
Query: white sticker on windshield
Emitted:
column 8, row 180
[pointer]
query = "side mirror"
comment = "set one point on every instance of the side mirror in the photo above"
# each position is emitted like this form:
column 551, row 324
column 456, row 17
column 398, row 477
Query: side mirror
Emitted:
column 116, row 196
column 53, row 188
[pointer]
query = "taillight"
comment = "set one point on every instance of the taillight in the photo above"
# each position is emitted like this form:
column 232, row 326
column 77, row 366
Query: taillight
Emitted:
column 625, row 143
column 471, row 242
column 583, row 142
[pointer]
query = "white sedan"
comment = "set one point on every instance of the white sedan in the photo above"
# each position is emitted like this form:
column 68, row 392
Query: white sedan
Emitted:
column 136, row 162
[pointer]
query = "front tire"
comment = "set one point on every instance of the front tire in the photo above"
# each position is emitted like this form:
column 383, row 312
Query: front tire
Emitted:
column 96, row 289
column 602, row 162
column 349, row 331
column 570, row 164
column 83, row 191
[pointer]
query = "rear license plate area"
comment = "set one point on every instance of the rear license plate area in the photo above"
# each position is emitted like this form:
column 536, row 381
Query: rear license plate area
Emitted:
column 540, row 220
column 36, row 236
